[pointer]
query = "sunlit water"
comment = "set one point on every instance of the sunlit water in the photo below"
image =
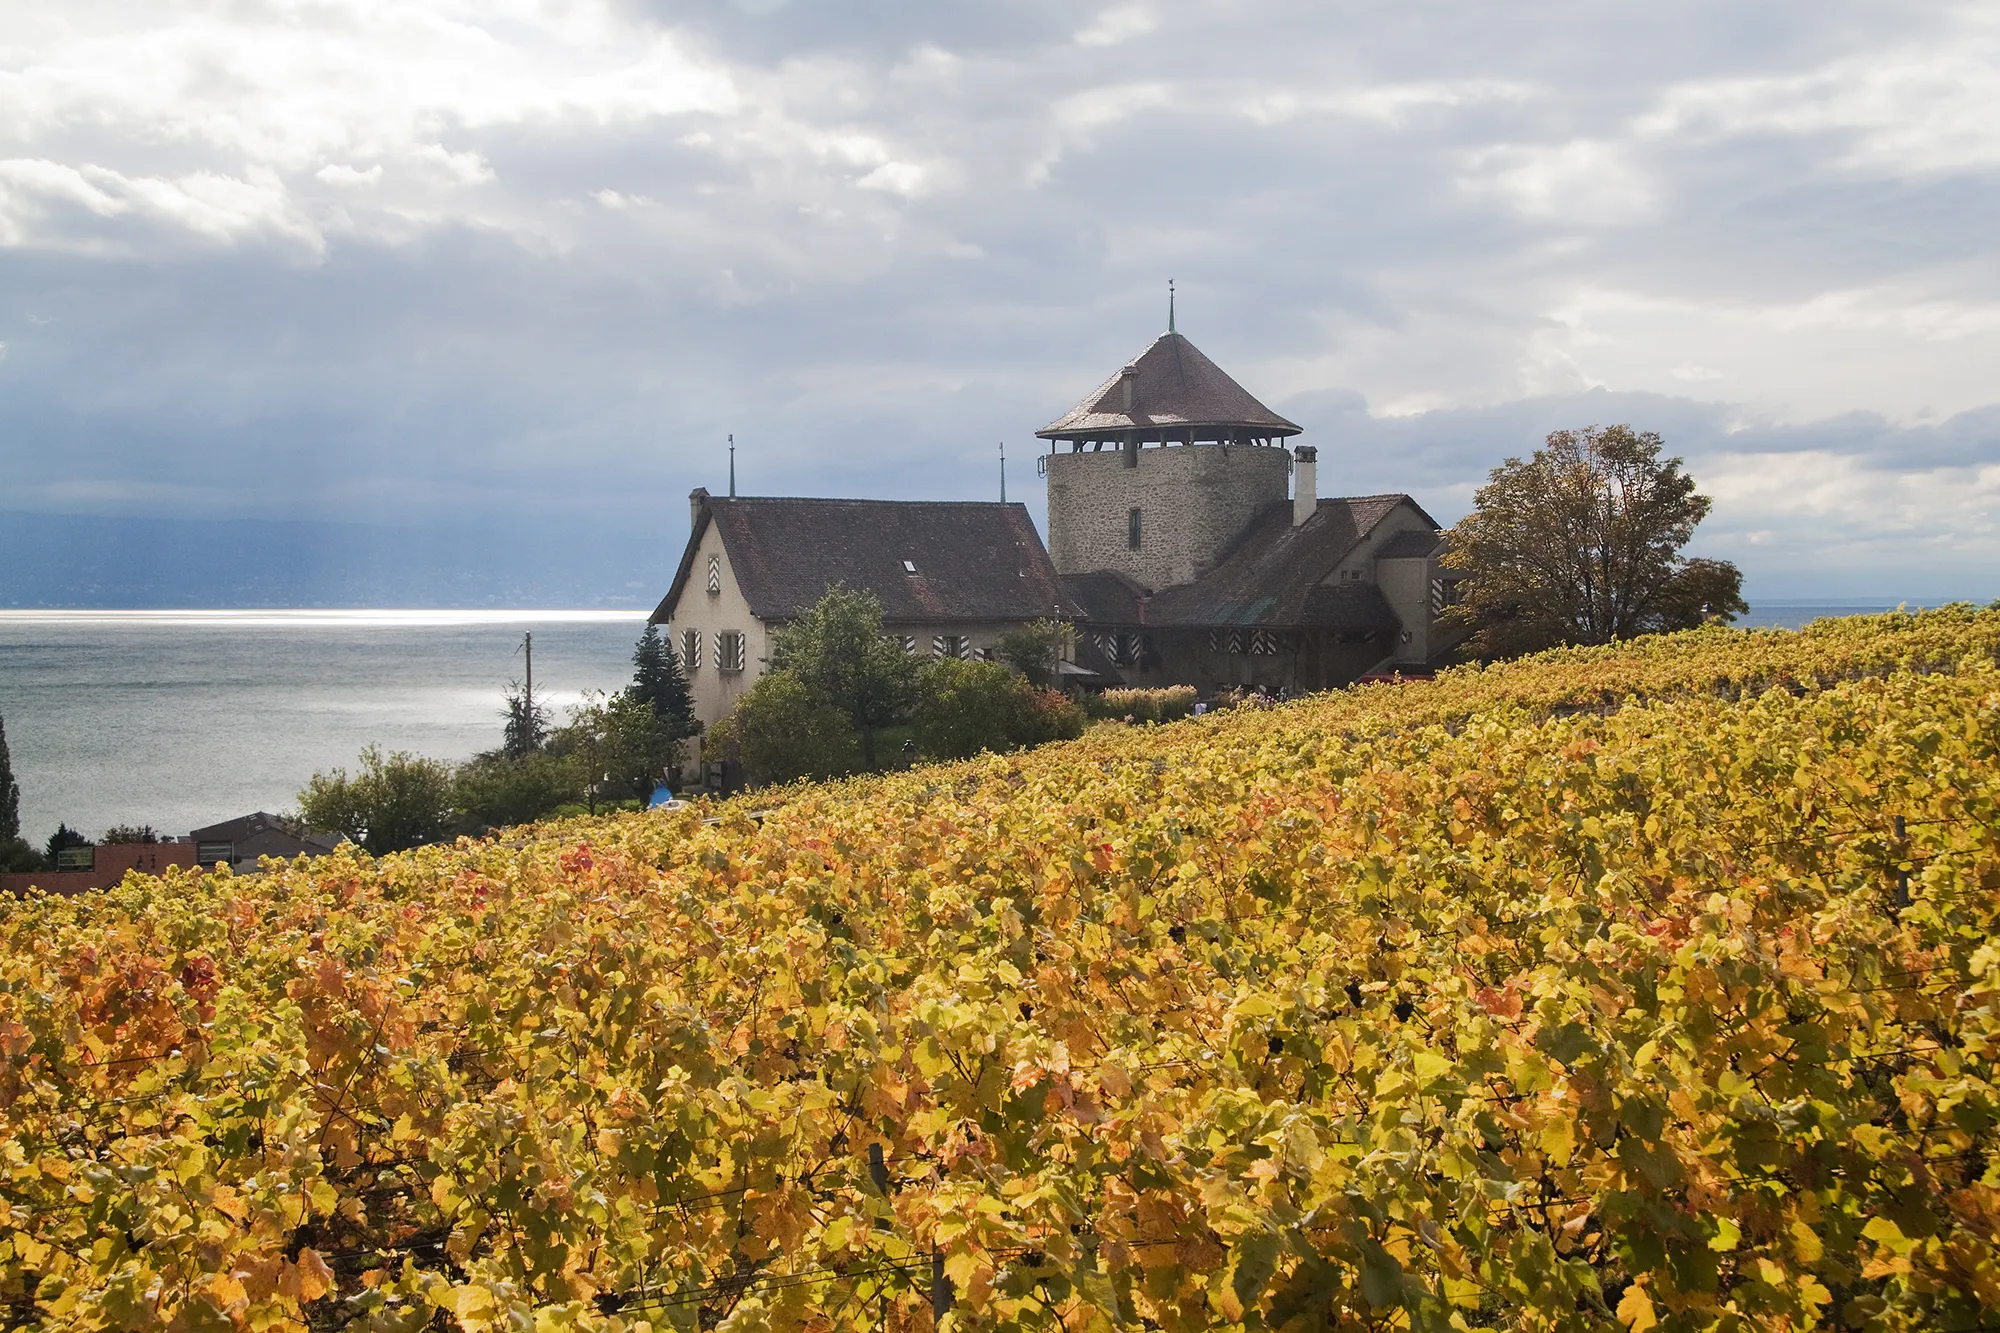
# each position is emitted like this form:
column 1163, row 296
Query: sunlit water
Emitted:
column 180, row 719
column 184, row 718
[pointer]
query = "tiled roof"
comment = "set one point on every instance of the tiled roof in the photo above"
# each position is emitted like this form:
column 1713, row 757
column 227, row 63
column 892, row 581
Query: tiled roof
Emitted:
column 1273, row 577
column 1106, row 597
column 973, row 560
column 1175, row 389
column 1410, row 545
column 245, row 827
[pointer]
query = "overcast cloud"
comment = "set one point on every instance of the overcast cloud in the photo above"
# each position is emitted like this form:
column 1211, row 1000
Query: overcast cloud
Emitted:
column 530, row 261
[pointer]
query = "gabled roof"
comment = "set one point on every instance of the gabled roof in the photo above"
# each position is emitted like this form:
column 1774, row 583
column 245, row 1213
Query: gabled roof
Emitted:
column 974, row 560
column 1274, row 577
column 1175, row 390
column 245, row 827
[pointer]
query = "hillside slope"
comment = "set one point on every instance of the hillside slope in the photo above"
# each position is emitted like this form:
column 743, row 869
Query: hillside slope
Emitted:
column 1646, row 986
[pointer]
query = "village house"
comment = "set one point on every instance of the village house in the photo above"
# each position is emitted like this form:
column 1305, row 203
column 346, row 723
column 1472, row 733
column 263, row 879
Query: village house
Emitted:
column 1188, row 544
column 952, row 577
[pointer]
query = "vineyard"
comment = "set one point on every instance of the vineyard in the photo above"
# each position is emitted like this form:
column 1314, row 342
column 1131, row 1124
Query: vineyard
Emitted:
column 1644, row 987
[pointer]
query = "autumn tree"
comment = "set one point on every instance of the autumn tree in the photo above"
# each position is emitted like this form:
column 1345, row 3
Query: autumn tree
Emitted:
column 1581, row 544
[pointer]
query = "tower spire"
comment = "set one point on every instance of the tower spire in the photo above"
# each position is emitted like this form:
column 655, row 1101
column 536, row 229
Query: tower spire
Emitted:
column 1170, row 305
column 732, row 465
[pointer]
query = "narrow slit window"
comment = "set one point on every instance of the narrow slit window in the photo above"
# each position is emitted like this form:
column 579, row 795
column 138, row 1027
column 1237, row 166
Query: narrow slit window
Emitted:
column 1133, row 529
column 691, row 649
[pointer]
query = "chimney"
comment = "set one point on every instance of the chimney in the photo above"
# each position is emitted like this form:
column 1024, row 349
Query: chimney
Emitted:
column 1305, row 484
column 696, row 499
column 1127, row 378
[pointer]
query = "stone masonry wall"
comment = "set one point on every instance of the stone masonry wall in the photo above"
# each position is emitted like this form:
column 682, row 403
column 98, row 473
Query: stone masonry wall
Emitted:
column 1194, row 501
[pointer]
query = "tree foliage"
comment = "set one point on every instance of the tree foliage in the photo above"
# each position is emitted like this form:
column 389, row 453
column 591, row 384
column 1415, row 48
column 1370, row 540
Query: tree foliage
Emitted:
column 1580, row 544
column 491, row 790
column 527, row 722
column 839, row 655
column 780, row 731
column 10, row 791
column 963, row 708
column 15, row 853
column 395, row 801
column 660, row 684
column 621, row 741
column 63, row 839
column 1037, row 650
column 119, row 834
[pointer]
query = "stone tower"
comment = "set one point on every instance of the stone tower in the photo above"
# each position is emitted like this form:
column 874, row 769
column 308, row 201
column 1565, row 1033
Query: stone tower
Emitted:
column 1167, row 462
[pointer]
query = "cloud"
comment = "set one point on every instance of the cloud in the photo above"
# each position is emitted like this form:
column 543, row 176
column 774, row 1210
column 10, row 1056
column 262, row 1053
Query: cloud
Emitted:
column 1117, row 25
column 387, row 261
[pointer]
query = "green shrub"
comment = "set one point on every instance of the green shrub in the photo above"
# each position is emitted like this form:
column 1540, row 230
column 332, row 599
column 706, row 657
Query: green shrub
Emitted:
column 1167, row 704
column 492, row 790
column 396, row 801
column 963, row 708
column 778, row 731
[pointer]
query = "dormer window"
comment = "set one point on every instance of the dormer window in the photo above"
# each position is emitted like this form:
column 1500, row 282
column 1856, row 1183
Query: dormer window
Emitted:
column 909, row 566
column 714, row 575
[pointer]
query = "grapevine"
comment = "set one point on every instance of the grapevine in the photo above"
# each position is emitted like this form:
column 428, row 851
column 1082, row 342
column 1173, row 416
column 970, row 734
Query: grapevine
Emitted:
column 1652, row 986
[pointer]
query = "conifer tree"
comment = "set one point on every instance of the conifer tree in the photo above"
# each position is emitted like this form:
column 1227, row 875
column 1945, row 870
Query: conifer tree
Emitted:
column 10, row 792
column 15, row 853
column 527, row 722
column 659, row 682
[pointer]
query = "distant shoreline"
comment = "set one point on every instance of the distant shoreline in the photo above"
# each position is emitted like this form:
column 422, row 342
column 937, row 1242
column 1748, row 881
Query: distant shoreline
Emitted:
column 301, row 617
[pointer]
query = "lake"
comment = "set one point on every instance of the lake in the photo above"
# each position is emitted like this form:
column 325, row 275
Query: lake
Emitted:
column 180, row 719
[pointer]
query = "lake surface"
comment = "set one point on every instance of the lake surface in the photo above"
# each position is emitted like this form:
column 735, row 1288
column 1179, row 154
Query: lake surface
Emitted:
column 180, row 719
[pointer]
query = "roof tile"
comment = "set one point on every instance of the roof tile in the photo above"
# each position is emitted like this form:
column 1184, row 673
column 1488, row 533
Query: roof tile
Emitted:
column 974, row 560
column 1174, row 388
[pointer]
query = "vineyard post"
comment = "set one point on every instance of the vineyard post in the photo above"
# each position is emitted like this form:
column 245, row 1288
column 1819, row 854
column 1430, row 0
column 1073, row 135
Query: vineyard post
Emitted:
column 1902, row 870
column 941, row 1292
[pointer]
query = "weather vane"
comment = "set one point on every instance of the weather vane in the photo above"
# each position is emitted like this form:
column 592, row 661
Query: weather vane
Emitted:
column 1170, row 305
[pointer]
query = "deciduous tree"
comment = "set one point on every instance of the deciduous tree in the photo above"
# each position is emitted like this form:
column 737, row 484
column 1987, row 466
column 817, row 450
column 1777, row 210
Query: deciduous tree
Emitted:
column 963, row 708
column 838, row 654
column 780, row 730
column 1037, row 650
column 396, row 801
column 1582, row 544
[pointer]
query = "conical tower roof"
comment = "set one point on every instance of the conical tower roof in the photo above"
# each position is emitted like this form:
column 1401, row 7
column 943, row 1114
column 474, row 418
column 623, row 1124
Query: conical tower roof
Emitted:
column 1169, row 392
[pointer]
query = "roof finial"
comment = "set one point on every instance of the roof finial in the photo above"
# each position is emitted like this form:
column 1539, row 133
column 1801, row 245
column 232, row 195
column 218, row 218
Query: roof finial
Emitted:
column 1170, row 305
column 732, row 465
column 1003, row 472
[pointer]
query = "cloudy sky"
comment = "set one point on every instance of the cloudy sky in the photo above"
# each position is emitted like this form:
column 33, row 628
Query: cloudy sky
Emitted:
column 528, row 262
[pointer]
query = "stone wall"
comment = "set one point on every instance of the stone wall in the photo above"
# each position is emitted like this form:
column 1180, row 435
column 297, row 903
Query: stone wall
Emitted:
column 1194, row 500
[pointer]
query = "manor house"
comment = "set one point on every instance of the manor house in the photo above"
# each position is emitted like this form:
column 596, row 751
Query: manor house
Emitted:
column 1188, row 544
